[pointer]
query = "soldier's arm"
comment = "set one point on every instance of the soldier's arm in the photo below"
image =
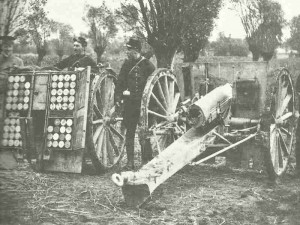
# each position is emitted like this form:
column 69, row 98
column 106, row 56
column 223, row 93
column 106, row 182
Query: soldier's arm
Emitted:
column 121, row 83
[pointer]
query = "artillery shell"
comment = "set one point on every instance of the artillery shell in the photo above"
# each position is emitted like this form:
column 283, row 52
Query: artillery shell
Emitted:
column 12, row 129
column 10, row 143
column 67, row 144
column 18, row 129
column 72, row 84
column 66, row 92
column 22, row 78
column 49, row 144
column 69, row 122
column 50, row 129
column 8, row 106
column 16, row 143
column 11, row 79
column 6, row 128
column 26, row 92
column 64, row 106
column 68, row 137
column 52, row 106
column 26, row 99
column 65, row 99
column 17, row 78
column 68, row 130
column 55, row 136
column 20, row 106
column 14, row 106
column 54, row 77
column 53, row 92
column 15, row 99
column 59, row 92
column 60, row 84
column 54, row 85
column 16, row 85
column 4, row 142
column 7, row 121
column 15, row 92
column 71, row 106
column 73, row 77
column 67, row 77
column 66, row 84
column 9, row 92
column 56, row 129
column 55, row 144
column 57, row 122
column 11, row 136
column 53, row 99
column 10, row 86
column 17, row 136
column 71, row 98
column 49, row 136
column 9, row 99
column 62, row 130
column 13, row 121
column 61, row 144
column 27, row 85
column 59, row 99
column 62, row 137
column 72, row 91
column 17, row 121
column 61, row 77
column 63, row 122
column 25, row 106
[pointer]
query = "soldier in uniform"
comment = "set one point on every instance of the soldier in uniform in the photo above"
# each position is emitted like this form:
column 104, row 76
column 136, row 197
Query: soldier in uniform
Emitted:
column 7, row 59
column 79, row 58
column 130, row 86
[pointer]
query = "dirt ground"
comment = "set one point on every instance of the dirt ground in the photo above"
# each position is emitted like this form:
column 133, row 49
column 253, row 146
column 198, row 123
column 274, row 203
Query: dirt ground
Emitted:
column 204, row 195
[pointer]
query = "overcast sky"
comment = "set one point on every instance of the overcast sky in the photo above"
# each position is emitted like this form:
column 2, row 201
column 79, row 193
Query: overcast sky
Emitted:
column 71, row 12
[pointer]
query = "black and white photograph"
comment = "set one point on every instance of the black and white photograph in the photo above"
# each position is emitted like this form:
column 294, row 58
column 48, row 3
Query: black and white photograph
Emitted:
column 149, row 112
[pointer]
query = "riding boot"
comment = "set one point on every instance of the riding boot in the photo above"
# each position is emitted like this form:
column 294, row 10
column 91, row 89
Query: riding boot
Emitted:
column 146, row 151
column 130, row 155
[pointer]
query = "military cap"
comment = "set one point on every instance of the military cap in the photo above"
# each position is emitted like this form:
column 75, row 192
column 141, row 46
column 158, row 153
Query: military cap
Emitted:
column 134, row 43
column 81, row 40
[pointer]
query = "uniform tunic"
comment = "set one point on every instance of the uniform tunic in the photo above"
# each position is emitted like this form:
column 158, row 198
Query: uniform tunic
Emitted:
column 133, row 77
column 76, row 61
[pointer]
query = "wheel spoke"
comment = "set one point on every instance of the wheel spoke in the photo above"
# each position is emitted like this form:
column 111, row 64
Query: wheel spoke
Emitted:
column 158, row 103
column 97, row 112
column 156, row 114
column 285, row 103
column 171, row 91
column 116, row 132
column 160, row 91
column 104, row 149
column 113, row 143
column 99, row 145
column 166, row 91
column 99, row 99
column 110, row 150
column 283, row 144
column 175, row 102
column 97, row 133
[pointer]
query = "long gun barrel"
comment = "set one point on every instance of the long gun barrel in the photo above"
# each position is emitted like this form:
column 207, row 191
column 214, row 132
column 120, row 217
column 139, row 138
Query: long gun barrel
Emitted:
column 138, row 186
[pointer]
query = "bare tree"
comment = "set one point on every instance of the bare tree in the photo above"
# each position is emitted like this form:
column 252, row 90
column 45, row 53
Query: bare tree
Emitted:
column 102, row 27
column 11, row 16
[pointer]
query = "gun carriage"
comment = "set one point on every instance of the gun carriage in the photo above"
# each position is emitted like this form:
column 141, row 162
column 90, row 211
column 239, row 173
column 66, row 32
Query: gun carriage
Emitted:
column 230, row 116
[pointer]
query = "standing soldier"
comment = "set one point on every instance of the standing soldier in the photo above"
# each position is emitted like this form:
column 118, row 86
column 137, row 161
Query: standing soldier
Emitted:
column 130, row 86
column 79, row 58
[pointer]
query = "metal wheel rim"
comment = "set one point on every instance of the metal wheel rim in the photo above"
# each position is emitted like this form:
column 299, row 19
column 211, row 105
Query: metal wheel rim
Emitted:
column 107, row 138
column 282, row 129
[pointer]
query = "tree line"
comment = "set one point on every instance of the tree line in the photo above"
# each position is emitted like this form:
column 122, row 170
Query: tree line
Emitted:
column 166, row 26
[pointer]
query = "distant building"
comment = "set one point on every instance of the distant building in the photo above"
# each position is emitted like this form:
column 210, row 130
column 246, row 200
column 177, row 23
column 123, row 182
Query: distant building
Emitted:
column 284, row 53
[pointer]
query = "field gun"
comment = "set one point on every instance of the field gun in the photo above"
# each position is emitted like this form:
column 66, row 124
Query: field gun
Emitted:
column 227, row 117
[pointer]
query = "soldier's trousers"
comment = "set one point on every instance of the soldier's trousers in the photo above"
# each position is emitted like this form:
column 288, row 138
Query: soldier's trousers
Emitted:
column 131, row 118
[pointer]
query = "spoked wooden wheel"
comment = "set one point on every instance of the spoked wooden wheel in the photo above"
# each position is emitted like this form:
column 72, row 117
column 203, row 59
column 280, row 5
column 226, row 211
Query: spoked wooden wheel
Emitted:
column 282, row 128
column 160, row 119
column 106, row 134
